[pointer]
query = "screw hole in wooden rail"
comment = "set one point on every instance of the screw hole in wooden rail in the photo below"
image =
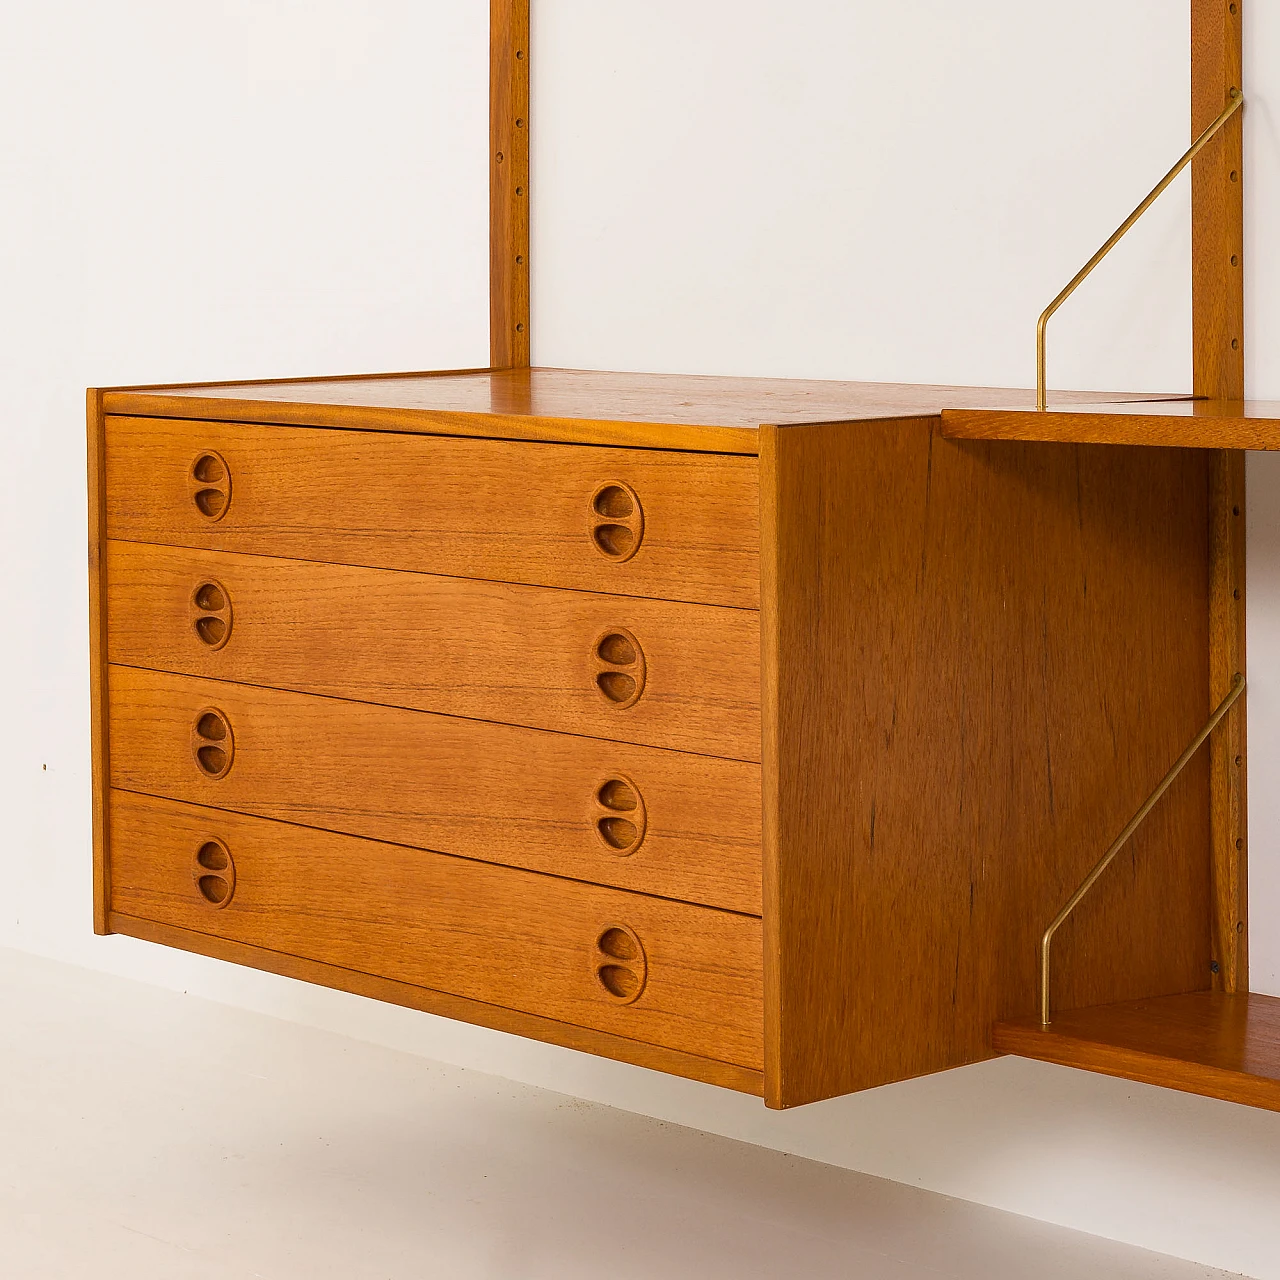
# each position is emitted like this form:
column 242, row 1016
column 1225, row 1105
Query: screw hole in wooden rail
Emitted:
column 617, row 521
column 210, row 480
column 211, row 613
column 621, row 820
column 213, row 871
column 621, row 679
column 212, row 743
column 620, row 965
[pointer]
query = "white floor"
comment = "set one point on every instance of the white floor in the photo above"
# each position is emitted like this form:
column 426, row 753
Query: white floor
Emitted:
column 147, row 1134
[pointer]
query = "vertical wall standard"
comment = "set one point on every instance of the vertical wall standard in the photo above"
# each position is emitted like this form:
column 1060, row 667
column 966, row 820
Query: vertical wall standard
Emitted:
column 1217, row 283
column 509, row 184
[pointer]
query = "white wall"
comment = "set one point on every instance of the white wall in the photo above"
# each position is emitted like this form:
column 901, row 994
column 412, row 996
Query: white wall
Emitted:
column 825, row 188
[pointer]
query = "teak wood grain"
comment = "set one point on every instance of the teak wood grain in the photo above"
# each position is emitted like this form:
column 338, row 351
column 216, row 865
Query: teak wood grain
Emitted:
column 1188, row 424
column 1218, row 356
column 1217, row 204
column 1210, row 1043
column 515, row 512
column 978, row 660
column 648, row 410
column 487, row 650
column 584, row 1039
column 509, row 183
column 1228, row 756
column 486, row 933
column 522, row 797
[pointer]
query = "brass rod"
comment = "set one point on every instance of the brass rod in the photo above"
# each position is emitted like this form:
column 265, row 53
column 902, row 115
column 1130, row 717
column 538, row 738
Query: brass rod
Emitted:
column 1042, row 392
column 1237, row 688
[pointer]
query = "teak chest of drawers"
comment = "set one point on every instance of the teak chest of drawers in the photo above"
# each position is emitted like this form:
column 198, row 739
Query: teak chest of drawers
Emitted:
column 586, row 707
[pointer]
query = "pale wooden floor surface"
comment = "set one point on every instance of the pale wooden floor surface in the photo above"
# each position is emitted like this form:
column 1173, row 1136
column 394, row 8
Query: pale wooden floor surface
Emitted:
column 146, row 1134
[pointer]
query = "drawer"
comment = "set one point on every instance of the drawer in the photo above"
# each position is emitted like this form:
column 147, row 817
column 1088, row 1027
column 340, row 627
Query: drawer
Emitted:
column 671, row 525
column 657, row 672
column 666, row 973
column 660, row 822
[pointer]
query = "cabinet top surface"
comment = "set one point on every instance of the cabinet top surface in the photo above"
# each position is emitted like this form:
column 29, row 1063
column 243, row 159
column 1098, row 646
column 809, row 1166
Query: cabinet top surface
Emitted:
column 658, row 410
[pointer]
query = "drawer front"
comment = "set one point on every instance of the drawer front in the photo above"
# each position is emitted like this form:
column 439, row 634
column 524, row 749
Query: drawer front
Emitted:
column 675, row 526
column 657, row 672
column 665, row 973
column 660, row 822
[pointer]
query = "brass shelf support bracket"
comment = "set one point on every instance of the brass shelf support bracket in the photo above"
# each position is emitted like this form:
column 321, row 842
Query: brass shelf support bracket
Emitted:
column 1042, row 392
column 1046, row 942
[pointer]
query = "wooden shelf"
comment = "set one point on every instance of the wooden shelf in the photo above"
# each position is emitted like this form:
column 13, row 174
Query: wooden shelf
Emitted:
column 1220, row 1046
column 645, row 410
column 661, row 410
column 1197, row 424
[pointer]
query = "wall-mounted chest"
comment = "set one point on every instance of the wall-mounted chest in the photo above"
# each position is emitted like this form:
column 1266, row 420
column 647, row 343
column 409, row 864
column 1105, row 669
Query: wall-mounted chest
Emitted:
column 587, row 707
column 765, row 732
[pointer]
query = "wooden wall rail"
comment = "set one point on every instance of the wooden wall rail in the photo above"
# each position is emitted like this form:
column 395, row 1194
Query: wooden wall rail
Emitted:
column 1217, row 288
column 509, row 184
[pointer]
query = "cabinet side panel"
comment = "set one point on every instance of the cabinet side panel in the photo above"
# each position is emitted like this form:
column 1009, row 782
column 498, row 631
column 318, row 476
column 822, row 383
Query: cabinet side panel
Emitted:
column 770, row 751
column 97, row 658
column 985, row 657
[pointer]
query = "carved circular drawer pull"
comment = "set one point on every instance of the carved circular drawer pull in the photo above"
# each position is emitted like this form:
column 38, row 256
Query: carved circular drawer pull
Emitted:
column 211, row 614
column 210, row 481
column 620, row 965
column 621, row 819
column 621, row 676
column 212, row 745
column 617, row 521
column 214, row 871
